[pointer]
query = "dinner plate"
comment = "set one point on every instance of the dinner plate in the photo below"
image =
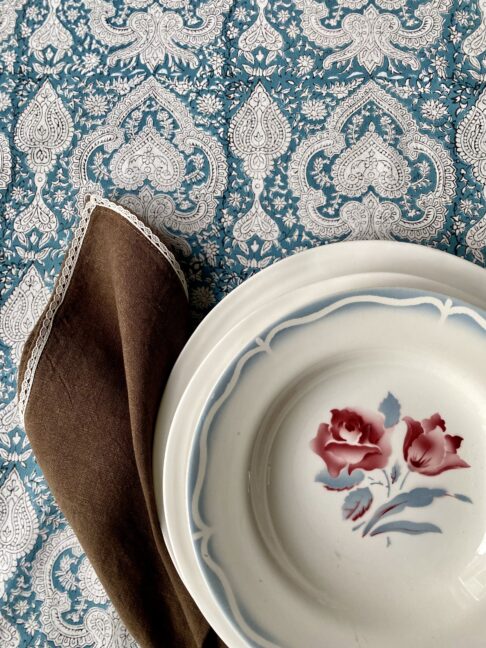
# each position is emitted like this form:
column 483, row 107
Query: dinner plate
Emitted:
column 350, row 258
column 335, row 486
column 185, row 418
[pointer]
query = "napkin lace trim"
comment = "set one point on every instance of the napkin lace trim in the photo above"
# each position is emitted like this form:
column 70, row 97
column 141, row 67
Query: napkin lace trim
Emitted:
column 64, row 280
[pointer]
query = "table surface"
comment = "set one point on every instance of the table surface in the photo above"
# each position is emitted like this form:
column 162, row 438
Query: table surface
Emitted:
column 243, row 131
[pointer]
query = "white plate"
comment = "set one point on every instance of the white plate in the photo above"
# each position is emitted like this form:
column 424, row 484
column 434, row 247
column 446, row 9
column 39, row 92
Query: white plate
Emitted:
column 318, row 418
column 348, row 258
column 209, row 343
column 186, row 418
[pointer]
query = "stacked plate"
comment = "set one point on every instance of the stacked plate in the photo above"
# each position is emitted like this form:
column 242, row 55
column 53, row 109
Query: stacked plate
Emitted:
column 320, row 453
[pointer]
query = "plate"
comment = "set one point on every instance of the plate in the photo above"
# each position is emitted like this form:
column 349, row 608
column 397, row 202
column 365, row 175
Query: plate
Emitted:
column 336, row 475
column 211, row 344
column 350, row 258
column 188, row 411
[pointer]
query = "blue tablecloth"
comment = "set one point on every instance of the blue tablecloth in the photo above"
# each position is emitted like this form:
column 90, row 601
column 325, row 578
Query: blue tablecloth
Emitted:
column 243, row 131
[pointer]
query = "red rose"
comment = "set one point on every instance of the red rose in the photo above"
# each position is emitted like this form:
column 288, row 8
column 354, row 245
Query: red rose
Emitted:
column 355, row 438
column 428, row 450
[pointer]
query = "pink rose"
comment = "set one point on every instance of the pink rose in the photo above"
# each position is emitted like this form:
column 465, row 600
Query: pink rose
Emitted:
column 428, row 450
column 355, row 438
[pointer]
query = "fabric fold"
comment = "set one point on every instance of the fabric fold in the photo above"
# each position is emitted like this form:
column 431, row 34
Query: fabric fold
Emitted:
column 91, row 378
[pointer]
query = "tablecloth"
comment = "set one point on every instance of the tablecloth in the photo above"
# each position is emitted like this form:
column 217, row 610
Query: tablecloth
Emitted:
column 243, row 131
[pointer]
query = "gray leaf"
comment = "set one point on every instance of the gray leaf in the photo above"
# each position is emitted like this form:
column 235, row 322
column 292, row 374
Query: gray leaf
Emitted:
column 405, row 526
column 390, row 407
column 357, row 503
column 342, row 481
column 395, row 472
column 416, row 498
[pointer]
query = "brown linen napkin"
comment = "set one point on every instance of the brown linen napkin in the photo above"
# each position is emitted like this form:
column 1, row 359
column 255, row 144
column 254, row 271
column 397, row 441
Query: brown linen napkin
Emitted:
column 91, row 379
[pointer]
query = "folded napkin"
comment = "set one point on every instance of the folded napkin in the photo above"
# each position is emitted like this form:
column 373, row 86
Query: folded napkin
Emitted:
column 91, row 379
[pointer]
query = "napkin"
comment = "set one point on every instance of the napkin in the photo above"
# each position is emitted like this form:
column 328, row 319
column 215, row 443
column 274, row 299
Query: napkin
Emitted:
column 91, row 378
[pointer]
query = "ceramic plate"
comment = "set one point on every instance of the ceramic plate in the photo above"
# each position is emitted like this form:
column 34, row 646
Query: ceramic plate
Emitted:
column 332, row 268
column 335, row 483
column 347, row 259
column 192, row 402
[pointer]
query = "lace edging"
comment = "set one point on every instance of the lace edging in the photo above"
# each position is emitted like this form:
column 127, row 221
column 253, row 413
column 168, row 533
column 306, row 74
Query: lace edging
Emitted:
column 64, row 280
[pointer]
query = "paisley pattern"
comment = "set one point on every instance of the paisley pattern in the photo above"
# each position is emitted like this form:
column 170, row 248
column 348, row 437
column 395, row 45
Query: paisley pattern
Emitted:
column 5, row 162
column 475, row 44
column 350, row 158
column 21, row 311
column 58, row 570
column 8, row 16
column 471, row 144
column 258, row 134
column 51, row 34
column 152, row 151
column 9, row 634
column 373, row 37
column 18, row 525
column 43, row 130
column 243, row 131
column 156, row 32
column 260, row 35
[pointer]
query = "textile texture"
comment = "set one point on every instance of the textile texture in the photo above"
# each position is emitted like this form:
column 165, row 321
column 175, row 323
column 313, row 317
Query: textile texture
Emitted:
column 243, row 131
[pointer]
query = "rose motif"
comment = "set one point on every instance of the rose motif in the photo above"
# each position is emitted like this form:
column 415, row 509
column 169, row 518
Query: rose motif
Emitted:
column 355, row 438
column 427, row 448
column 361, row 439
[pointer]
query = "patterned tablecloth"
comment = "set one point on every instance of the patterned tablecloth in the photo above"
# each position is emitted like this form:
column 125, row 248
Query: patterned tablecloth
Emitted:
column 244, row 131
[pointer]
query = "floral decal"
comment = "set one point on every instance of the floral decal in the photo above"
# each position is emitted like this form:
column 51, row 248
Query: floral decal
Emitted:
column 428, row 450
column 354, row 439
column 356, row 445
